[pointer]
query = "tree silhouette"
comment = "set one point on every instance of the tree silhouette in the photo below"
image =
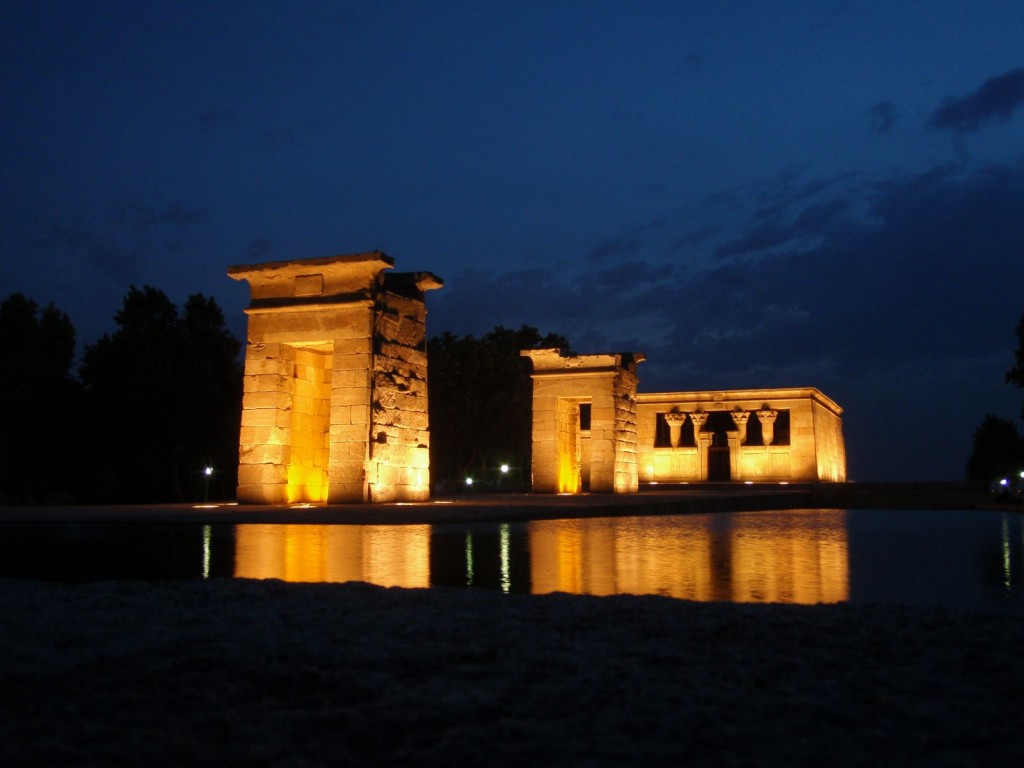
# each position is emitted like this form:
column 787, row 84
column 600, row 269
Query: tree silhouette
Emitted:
column 1015, row 375
column 480, row 406
column 164, row 395
column 41, row 401
column 998, row 450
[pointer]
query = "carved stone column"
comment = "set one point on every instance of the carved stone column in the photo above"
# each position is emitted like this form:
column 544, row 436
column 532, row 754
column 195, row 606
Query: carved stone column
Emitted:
column 767, row 419
column 675, row 421
column 735, row 466
column 699, row 419
column 703, row 440
column 740, row 418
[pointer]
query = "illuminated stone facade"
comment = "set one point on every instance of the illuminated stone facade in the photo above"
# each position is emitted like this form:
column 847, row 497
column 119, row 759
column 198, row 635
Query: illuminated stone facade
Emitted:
column 593, row 431
column 769, row 435
column 335, row 398
column 584, row 422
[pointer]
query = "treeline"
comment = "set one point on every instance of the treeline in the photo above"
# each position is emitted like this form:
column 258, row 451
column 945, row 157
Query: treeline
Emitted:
column 149, row 407
column 481, row 408
column 998, row 448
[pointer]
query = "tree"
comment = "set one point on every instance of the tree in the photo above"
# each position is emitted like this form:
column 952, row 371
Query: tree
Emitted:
column 480, row 405
column 998, row 450
column 1015, row 375
column 40, row 397
column 165, row 396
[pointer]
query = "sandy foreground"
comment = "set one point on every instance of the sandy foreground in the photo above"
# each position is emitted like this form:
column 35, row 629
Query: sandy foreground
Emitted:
column 236, row 672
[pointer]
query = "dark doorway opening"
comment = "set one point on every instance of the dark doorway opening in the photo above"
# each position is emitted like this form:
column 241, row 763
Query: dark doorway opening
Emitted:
column 718, row 459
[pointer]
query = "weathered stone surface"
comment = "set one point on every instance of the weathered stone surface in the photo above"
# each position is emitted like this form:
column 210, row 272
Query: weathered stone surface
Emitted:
column 335, row 360
column 567, row 459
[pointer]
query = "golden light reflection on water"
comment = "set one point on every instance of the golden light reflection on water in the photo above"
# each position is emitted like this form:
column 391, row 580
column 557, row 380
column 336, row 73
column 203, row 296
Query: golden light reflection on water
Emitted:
column 796, row 556
column 752, row 557
column 391, row 556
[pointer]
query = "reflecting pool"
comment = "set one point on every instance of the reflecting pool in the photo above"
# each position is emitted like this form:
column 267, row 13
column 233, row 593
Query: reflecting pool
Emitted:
column 938, row 557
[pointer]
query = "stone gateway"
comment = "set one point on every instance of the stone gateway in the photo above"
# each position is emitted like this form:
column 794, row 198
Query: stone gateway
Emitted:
column 335, row 395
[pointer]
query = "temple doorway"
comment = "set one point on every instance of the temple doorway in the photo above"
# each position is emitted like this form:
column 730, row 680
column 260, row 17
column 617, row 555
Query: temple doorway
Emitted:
column 719, row 424
column 718, row 459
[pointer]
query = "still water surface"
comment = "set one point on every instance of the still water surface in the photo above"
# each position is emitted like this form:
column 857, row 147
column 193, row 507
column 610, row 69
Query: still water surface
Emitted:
column 969, row 559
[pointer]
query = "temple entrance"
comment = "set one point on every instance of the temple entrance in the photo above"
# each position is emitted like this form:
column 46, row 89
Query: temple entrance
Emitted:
column 718, row 459
column 310, row 421
column 584, row 435
column 719, row 424
column 568, row 448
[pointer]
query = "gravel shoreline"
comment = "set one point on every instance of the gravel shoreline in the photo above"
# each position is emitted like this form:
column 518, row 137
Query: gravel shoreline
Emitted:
column 267, row 673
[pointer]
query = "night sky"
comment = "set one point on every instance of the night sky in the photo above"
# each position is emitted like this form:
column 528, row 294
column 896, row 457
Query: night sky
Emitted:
column 816, row 193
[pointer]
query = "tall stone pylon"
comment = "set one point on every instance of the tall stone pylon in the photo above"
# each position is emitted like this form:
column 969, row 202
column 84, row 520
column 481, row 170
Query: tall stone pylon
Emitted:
column 335, row 398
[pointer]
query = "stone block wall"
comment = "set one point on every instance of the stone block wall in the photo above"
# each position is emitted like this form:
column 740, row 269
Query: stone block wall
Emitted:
column 814, row 451
column 335, row 399
column 830, row 447
column 561, row 383
column 399, row 460
column 626, row 477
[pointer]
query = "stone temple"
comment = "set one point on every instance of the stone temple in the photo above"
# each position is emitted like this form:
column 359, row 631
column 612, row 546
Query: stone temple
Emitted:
column 335, row 397
column 592, row 430
column 335, row 403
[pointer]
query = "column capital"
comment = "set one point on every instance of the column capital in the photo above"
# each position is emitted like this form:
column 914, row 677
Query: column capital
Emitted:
column 740, row 419
column 767, row 418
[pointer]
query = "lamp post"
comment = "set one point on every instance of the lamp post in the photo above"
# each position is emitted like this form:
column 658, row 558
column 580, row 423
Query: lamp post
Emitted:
column 207, row 474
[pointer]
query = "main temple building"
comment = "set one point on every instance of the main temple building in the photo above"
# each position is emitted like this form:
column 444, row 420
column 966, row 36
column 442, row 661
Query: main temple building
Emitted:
column 593, row 431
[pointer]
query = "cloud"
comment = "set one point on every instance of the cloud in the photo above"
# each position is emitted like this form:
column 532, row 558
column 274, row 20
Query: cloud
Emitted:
column 135, row 235
column 616, row 246
column 215, row 118
column 627, row 243
column 141, row 219
column 258, row 249
column 883, row 117
column 118, row 262
column 693, row 239
column 995, row 101
column 811, row 223
column 693, row 61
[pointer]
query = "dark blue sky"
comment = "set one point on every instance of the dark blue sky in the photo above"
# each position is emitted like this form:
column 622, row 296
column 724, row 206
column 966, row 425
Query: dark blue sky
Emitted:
column 823, row 194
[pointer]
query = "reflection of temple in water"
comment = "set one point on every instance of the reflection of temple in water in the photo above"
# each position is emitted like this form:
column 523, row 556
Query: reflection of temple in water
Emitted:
column 782, row 558
column 788, row 557
column 391, row 556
